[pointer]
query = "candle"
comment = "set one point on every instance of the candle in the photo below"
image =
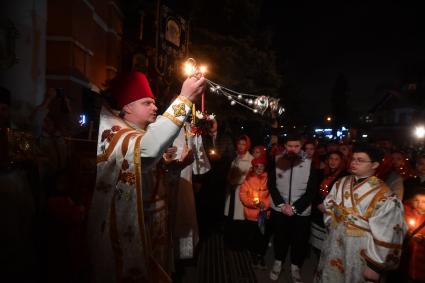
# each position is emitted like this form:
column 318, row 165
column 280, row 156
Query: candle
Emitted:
column 202, row 103
column 203, row 70
column 193, row 114
column 412, row 222
column 256, row 200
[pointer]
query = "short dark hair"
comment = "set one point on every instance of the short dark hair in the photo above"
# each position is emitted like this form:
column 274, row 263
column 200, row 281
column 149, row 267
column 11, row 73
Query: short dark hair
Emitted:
column 293, row 137
column 418, row 190
column 375, row 154
column 395, row 151
column 337, row 152
column 310, row 141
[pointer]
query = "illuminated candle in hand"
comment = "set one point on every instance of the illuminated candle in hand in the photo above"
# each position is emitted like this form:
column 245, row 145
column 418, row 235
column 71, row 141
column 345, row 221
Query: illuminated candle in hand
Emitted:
column 256, row 200
column 412, row 222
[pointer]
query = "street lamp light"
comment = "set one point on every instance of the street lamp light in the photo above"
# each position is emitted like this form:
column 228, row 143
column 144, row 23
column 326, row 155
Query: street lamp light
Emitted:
column 420, row 132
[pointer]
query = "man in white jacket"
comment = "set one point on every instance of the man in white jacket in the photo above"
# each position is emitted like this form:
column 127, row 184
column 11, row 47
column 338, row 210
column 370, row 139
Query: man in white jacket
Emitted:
column 292, row 182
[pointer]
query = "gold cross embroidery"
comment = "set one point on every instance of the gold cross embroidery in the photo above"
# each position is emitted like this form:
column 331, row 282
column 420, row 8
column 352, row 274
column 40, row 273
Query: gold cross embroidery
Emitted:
column 179, row 110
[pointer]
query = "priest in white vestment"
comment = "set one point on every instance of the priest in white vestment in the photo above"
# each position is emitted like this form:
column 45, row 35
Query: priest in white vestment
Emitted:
column 127, row 221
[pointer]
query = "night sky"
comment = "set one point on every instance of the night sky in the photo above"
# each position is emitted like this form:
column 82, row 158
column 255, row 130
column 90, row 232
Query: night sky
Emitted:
column 368, row 43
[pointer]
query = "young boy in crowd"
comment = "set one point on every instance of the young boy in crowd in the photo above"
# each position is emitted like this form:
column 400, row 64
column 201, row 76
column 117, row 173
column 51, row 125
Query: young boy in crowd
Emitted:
column 365, row 223
column 256, row 200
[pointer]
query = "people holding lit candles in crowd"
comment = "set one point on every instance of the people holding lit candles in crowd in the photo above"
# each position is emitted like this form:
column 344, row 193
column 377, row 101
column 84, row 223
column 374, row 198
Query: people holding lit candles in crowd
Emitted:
column 234, row 209
column 415, row 240
column 365, row 224
column 334, row 170
column 255, row 198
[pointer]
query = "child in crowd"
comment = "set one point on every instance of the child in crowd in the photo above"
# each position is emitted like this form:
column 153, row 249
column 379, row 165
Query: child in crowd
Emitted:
column 256, row 200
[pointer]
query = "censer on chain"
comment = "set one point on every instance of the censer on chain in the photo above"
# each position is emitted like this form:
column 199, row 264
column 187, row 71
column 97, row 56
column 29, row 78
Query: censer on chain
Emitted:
column 256, row 103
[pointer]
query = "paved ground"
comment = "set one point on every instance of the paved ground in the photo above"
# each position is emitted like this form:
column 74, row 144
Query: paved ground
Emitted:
column 306, row 271
column 216, row 264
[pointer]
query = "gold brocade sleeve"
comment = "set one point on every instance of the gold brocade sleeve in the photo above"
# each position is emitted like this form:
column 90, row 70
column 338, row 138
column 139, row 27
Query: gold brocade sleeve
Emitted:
column 385, row 240
column 179, row 110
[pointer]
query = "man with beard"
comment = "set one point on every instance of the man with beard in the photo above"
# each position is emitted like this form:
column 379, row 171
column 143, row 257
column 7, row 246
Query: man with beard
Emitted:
column 292, row 182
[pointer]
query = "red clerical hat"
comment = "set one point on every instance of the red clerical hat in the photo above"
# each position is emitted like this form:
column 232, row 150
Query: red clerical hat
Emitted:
column 130, row 87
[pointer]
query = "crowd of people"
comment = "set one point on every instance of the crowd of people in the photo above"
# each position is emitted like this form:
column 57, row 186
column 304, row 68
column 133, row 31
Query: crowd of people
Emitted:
column 160, row 189
column 358, row 207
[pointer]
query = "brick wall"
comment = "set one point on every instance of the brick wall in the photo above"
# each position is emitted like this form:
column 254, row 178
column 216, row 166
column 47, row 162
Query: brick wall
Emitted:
column 83, row 46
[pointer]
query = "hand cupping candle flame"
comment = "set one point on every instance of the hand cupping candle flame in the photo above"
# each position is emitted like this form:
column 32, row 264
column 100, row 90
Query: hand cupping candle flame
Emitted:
column 256, row 103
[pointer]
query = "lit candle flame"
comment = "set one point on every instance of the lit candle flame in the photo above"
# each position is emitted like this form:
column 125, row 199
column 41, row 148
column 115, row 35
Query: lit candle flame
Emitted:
column 212, row 152
column 189, row 69
column 412, row 222
column 256, row 200
column 203, row 69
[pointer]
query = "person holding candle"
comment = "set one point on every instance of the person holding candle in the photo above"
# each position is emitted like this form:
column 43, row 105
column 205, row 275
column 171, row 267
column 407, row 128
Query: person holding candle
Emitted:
column 255, row 198
column 415, row 240
column 128, row 223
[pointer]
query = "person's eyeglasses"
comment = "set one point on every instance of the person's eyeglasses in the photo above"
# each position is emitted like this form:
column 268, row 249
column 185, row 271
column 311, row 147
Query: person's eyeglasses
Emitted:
column 357, row 160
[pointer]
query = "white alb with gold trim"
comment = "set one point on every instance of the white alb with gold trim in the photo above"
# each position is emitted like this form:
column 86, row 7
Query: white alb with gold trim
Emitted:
column 127, row 234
